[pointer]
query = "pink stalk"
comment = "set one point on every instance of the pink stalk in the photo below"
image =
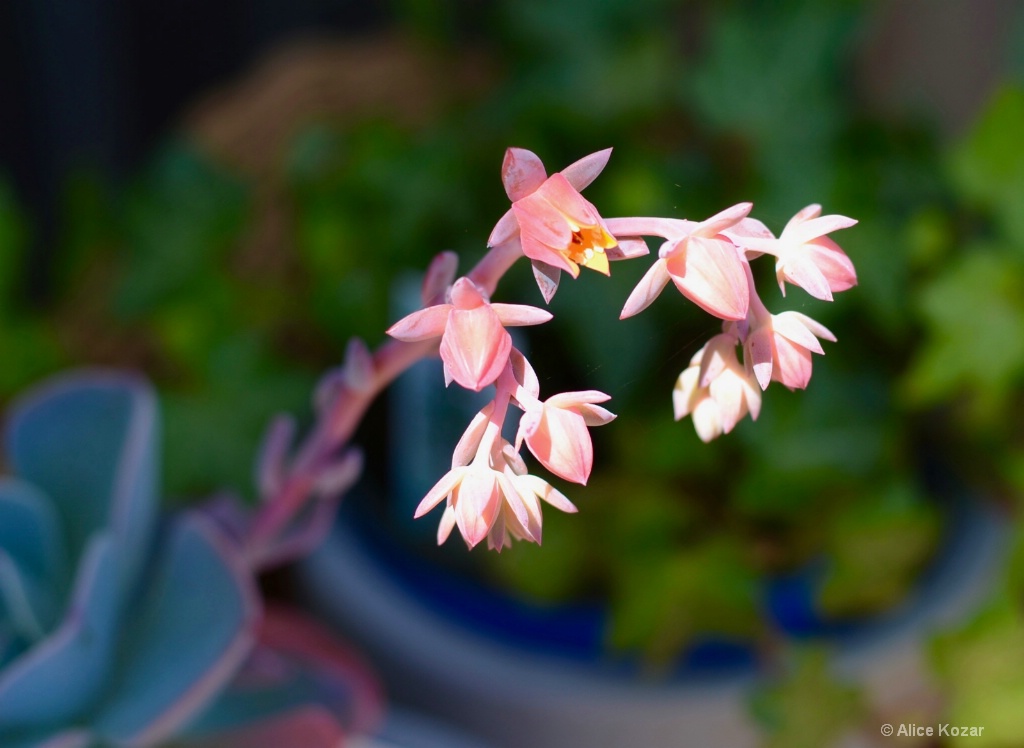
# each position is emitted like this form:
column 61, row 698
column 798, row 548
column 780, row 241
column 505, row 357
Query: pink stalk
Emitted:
column 335, row 427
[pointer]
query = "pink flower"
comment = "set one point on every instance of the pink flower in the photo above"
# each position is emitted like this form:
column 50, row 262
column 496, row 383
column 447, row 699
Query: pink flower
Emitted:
column 555, row 225
column 474, row 498
column 556, row 432
column 716, row 389
column 492, row 497
column 704, row 265
column 811, row 260
column 779, row 347
column 474, row 342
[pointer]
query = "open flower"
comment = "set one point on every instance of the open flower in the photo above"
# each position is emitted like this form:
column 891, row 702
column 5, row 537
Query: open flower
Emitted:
column 556, row 432
column 474, row 342
column 478, row 497
column 554, row 224
column 716, row 389
column 810, row 259
column 704, row 265
column 531, row 490
column 779, row 347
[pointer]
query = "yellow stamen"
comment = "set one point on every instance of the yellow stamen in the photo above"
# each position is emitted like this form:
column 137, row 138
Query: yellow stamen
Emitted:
column 587, row 247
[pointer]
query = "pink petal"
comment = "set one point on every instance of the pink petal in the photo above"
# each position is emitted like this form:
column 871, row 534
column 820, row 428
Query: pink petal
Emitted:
column 547, row 277
column 570, row 399
column 581, row 173
column 793, row 364
column 542, row 221
column 815, row 327
column 791, row 327
column 707, row 420
column 811, row 211
column 358, row 370
column 506, row 227
column 444, row 527
column 711, row 274
column 440, row 274
column 595, row 415
column 467, row 295
column 637, row 226
column 723, row 220
column 627, row 249
column 686, row 393
column 421, row 325
column 465, row 450
column 475, row 346
column 549, row 493
column 750, row 234
column 515, row 502
column 519, row 315
column 524, row 373
column 522, row 172
column 567, row 201
column 562, row 444
column 833, row 262
column 816, row 227
column 476, row 505
column 440, row 491
column 540, row 252
column 647, row 290
column 801, row 271
column 759, row 357
column 727, row 391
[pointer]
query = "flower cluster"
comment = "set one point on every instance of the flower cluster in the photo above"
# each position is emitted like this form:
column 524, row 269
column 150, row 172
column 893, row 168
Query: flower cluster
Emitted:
column 489, row 492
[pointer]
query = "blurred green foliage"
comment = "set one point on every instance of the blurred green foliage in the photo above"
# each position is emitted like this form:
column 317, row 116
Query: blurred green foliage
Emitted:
column 808, row 707
column 707, row 104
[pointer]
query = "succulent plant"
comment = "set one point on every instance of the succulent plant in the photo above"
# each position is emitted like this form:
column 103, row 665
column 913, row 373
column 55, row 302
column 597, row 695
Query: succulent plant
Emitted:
column 120, row 626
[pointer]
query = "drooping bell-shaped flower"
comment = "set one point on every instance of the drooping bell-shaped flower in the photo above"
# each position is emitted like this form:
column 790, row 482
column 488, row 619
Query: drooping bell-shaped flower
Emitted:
column 703, row 263
column 779, row 347
column 716, row 389
column 554, row 224
column 474, row 342
column 810, row 259
column 556, row 432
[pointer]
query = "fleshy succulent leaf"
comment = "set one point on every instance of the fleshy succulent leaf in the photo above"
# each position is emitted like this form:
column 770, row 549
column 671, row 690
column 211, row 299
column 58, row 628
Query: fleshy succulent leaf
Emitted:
column 90, row 442
column 35, row 688
column 195, row 628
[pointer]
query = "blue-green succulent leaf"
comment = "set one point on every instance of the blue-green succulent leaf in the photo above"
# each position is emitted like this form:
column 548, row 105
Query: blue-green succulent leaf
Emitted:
column 59, row 678
column 90, row 442
column 195, row 628
column 30, row 530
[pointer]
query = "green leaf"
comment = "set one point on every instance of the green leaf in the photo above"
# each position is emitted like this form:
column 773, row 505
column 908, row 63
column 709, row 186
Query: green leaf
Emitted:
column 988, row 166
column 808, row 708
column 178, row 223
column 974, row 314
column 981, row 667
column 877, row 545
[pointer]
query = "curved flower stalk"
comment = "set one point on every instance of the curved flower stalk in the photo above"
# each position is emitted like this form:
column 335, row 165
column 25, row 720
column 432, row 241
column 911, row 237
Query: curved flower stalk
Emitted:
column 116, row 629
column 489, row 492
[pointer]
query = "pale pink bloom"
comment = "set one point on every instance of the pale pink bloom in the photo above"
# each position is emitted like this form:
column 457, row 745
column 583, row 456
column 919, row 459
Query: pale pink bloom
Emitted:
column 811, row 260
column 531, row 490
column 556, row 432
column 704, row 265
column 779, row 347
column 716, row 389
column 491, row 498
column 554, row 224
column 474, row 497
column 474, row 342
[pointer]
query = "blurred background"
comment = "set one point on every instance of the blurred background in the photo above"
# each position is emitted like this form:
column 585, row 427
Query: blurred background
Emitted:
column 221, row 194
